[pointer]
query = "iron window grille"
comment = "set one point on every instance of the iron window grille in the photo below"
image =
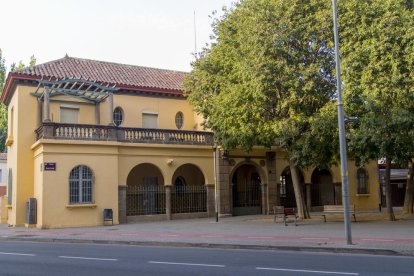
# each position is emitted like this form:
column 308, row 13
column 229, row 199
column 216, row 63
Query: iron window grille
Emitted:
column 118, row 116
column 179, row 119
column 80, row 185
column 362, row 177
column 283, row 186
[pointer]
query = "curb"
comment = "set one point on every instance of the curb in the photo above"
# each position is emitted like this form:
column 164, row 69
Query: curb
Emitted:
column 369, row 251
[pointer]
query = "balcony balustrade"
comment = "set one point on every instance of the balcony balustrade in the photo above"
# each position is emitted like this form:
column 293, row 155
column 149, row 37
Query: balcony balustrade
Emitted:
column 122, row 134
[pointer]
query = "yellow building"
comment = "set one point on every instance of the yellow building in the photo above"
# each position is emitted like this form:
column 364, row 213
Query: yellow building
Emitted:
column 85, row 136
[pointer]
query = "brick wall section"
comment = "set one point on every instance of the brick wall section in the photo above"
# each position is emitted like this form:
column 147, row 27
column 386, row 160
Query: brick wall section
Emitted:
column 122, row 204
column 223, row 180
column 3, row 190
column 211, row 209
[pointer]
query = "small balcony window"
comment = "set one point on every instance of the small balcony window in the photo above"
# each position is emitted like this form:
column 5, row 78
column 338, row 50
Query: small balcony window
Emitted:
column 118, row 116
column 179, row 119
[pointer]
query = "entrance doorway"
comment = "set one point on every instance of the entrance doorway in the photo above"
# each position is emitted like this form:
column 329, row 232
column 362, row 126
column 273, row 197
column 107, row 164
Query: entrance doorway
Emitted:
column 247, row 195
column 145, row 191
column 324, row 191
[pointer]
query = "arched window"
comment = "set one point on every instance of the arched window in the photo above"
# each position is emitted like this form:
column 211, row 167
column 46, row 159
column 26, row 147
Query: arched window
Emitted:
column 179, row 119
column 80, row 185
column 362, row 178
column 179, row 185
column 118, row 116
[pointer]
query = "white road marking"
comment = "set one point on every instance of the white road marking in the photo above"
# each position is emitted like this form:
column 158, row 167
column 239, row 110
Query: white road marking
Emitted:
column 88, row 258
column 314, row 238
column 212, row 236
column 16, row 254
column 377, row 240
column 308, row 271
column 187, row 264
column 169, row 235
column 260, row 237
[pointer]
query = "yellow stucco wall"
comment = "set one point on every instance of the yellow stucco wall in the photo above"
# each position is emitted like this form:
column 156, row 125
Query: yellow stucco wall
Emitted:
column 52, row 187
column 25, row 116
column 112, row 162
column 133, row 106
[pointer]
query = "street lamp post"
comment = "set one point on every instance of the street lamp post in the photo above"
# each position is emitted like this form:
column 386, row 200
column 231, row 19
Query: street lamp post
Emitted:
column 342, row 141
column 215, row 181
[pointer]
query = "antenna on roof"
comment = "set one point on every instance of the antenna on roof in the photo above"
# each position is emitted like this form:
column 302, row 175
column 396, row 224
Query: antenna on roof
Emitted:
column 195, row 36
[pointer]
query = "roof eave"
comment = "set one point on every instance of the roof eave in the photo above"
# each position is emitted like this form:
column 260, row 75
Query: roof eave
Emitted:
column 11, row 78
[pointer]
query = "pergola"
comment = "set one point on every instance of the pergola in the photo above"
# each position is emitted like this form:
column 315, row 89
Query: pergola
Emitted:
column 89, row 91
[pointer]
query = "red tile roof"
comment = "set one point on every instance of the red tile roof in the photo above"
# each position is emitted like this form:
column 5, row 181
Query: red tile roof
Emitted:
column 108, row 72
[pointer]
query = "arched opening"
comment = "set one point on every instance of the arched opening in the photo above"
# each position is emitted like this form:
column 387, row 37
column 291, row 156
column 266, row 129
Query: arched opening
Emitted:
column 145, row 191
column 247, row 195
column 189, row 194
column 324, row 191
column 287, row 193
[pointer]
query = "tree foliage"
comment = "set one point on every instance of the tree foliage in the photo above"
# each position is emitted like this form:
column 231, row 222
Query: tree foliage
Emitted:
column 3, row 108
column 377, row 53
column 266, row 76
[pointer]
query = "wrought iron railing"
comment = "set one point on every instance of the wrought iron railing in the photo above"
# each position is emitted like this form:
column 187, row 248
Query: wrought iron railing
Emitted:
column 113, row 133
column 145, row 200
column 189, row 199
column 247, row 198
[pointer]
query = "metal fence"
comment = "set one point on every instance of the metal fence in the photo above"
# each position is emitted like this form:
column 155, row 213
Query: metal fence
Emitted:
column 145, row 200
column 247, row 198
column 189, row 199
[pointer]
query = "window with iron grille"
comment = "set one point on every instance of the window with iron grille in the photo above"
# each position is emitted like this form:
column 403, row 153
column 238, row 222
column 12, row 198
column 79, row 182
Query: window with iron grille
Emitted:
column 80, row 185
column 118, row 116
column 362, row 177
column 283, row 186
column 179, row 119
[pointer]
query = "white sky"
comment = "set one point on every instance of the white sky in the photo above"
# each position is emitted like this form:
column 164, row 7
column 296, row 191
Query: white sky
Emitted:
column 154, row 33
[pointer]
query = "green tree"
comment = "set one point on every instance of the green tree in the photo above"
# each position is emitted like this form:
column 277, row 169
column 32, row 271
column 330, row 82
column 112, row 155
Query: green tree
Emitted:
column 3, row 108
column 377, row 53
column 266, row 76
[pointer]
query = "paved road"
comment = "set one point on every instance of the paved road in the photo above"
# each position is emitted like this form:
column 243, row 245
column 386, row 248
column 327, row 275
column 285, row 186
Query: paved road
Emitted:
column 30, row 258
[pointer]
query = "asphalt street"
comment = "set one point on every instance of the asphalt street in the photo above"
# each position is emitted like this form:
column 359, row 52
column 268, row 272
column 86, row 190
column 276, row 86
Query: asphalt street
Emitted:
column 31, row 258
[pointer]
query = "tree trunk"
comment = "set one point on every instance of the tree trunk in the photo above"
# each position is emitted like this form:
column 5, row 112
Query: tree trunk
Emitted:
column 388, row 198
column 303, row 212
column 409, row 191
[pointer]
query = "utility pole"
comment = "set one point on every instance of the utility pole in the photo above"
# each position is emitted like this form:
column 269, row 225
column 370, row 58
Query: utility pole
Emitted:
column 342, row 140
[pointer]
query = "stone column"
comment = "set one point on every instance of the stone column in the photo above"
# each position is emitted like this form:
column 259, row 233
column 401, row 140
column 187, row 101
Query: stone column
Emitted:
column 122, row 217
column 111, row 109
column 46, row 104
column 223, row 181
column 97, row 113
column 272, row 185
column 211, row 210
column 168, row 210
column 308, row 196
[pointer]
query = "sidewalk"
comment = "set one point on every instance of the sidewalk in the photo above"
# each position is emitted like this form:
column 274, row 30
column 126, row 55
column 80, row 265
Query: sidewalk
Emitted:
column 372, row 234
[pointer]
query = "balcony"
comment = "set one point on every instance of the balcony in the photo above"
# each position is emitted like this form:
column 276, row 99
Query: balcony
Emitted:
column 122, row 134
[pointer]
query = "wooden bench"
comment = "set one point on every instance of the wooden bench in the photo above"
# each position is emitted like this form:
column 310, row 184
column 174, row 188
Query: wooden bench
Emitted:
column 284, row 213
column 337, row 209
